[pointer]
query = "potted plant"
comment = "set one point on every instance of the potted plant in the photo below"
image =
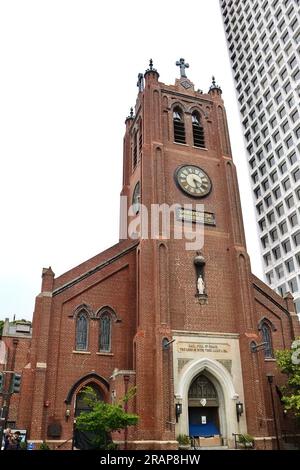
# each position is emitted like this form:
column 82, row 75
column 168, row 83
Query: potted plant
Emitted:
column 23, row 445
column 44, row 446
column 246, row 440
column 184, row 441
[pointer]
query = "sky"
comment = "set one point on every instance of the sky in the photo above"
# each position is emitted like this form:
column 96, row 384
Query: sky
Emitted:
column 68, row 79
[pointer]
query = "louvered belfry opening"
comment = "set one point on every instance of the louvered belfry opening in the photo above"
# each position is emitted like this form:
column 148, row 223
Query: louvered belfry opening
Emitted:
column 135, row 150
column 198, row 131
column 179, row 130
column 140, row 140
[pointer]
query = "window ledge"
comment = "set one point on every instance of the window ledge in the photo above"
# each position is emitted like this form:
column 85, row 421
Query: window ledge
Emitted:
column 200, row 148
column 270, row 359
column 81, row 352
column 180, row 143
column 105, row 354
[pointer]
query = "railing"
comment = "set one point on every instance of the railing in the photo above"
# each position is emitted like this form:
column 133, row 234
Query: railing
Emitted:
column 240, row 444
column 193, row 442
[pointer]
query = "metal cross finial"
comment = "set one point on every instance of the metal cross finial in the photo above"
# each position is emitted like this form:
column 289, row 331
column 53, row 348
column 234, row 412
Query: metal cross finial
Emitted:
column 131, row 112
column 213, row 80
column 181, row 63
column 151, row 64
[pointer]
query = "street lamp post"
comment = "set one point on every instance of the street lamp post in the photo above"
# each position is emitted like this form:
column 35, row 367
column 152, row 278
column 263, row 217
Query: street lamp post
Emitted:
column 270, row 378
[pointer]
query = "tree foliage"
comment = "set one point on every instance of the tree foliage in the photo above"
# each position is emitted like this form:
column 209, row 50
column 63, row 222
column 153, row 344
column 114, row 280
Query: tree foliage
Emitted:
column 104, row 418
column 1, row 327
column 289, row 364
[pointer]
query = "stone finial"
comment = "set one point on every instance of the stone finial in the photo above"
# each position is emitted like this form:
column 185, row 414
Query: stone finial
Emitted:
column 48, row 272
column 130, row 117
column 214, row 87
column 151, row 69
column 47, row 279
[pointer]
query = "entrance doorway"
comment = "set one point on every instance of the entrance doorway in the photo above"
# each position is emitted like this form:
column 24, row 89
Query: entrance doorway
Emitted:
column 203, row 411
column 87, row 440
column 80, row 403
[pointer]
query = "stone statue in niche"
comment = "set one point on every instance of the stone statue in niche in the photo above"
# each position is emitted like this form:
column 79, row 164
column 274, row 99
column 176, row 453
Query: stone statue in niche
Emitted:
column 200, row 285
column 199, row 263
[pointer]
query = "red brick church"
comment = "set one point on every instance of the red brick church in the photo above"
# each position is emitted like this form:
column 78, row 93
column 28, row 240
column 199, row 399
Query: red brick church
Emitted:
column 185, row 326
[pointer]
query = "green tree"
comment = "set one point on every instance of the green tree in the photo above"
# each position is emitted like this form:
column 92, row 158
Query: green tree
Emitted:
column 289, row 363
column 103, row 418
column 1, row 327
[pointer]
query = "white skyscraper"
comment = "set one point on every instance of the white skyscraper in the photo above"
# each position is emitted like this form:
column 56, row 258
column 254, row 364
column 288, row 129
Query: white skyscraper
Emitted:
column 263, row 38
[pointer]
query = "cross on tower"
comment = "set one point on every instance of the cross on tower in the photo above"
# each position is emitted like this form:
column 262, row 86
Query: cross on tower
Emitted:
column 181, row 63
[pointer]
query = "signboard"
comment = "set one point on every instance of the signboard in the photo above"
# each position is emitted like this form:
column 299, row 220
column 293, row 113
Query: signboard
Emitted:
column 23, row 433
column 203, row 347
column 197, row 217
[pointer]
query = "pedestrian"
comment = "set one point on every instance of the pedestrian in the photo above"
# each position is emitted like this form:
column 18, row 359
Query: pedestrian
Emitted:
column 14, row 441
column 7, row 435
column 17, row 437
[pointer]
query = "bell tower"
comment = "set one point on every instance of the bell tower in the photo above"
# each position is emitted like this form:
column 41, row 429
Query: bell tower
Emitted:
column 195, row 307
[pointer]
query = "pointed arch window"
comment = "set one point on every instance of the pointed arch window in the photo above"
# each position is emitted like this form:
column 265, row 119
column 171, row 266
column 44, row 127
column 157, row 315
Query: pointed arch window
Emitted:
column 178, row 124
column 81, row 332
column 198, row 131
column 105, row 332
column 267, row 338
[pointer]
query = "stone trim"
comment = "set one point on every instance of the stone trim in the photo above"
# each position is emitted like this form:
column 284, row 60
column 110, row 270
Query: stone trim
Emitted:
column 89, row 273
column 271, row 299
column 190, row 99
column 81, row 352
column 41, row 365
column 148, row 442
column 116, row 373
column 205, row 334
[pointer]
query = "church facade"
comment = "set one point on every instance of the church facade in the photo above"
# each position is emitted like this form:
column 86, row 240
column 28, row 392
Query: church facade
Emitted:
column 192, row 328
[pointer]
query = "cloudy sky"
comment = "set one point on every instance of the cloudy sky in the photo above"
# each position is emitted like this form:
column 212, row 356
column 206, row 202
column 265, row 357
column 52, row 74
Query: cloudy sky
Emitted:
column 68, row 78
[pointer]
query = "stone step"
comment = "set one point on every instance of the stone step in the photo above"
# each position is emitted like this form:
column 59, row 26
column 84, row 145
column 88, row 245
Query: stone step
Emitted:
column 211, row 448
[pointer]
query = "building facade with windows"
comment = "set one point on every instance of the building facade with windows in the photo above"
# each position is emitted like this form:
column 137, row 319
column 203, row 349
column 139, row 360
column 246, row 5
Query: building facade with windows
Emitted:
column 182, row 324
column 263, row 38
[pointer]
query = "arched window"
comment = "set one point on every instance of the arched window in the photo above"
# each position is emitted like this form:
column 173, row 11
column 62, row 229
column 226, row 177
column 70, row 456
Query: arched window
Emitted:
column 81, row 332
column 178, row 123
column 136, row 198
column 105, row 332
column 198, row 132
column 267, row 338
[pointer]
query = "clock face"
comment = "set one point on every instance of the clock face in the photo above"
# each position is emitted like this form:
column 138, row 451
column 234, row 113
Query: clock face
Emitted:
column 193, row 181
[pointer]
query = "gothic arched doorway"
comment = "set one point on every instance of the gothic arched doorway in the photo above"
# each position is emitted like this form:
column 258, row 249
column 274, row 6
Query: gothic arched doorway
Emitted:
column 87, row 440
column 80, row 404
column 203, row 408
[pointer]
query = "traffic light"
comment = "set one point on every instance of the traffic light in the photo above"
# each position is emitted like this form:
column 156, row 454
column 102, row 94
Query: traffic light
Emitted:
column 1, row 382
column 16, row 383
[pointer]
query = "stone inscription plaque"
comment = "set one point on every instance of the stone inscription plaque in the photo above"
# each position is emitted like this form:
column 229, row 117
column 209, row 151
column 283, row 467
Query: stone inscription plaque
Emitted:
column 190, row 215
column 203, row 347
